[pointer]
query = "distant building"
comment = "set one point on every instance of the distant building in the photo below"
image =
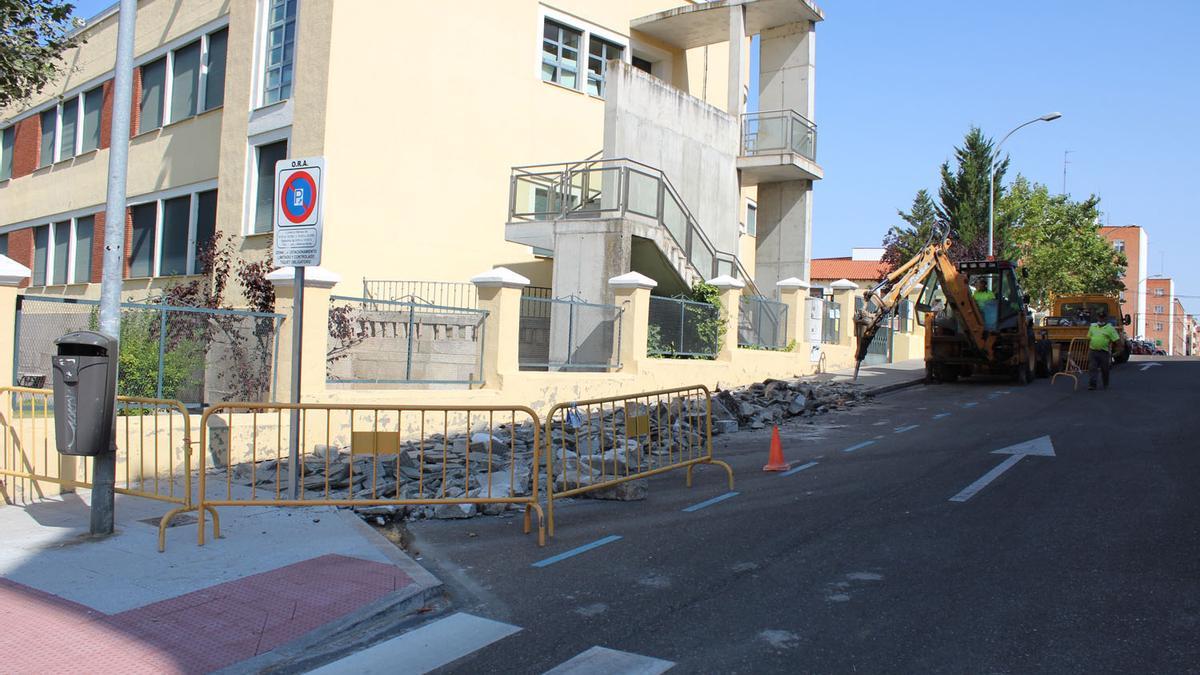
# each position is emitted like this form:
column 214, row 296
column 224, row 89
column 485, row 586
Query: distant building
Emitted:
column 864, row 266
column 1160, row 309
column 1132, row 241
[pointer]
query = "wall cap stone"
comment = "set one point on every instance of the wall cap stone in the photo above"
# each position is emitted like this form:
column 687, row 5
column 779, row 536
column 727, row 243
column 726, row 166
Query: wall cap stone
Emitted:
column 314, row 277
column 727, row 283
column 500, row 277
column 844, row 285
column 793, row 282
column 12, row 273
column 632, row 280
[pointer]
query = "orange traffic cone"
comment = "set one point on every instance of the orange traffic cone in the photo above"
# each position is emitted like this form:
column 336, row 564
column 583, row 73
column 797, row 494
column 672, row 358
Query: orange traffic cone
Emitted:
column 775, row 462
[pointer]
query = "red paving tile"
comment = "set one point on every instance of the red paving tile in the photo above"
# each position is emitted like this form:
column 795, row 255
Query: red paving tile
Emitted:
column 196, row 632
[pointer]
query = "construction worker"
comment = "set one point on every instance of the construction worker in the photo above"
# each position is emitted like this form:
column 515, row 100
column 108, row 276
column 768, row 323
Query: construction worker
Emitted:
column 1101, row 337
column 986, row 299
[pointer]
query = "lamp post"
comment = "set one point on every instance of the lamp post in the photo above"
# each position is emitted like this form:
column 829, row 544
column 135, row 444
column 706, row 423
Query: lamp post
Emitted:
column 1048, row 117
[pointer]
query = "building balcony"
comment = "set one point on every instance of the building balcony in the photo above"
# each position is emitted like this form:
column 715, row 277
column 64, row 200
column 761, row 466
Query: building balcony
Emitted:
column 707, row 23
column 777, row 146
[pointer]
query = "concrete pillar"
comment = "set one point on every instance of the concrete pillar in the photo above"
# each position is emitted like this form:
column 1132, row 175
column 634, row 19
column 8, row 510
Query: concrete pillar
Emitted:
column 787, row 68
column 632, row 293
column 318, row 283
column 500, row 296
column 783, row 246
column 737, row 56
column 844, row 292
column 793, row 292
column 12, row 273
column 731, row 293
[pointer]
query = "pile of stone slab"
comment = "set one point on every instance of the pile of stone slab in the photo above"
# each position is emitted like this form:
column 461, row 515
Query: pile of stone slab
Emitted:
column 763, row 404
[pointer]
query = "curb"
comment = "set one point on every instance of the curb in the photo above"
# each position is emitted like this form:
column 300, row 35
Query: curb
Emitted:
column 895, row 386
column 390, row 615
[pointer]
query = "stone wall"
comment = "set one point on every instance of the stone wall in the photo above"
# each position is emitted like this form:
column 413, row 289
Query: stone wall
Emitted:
column 445, row 347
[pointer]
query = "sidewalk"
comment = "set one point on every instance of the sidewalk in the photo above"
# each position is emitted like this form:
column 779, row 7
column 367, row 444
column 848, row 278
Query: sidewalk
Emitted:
column 118, row 605
column 882, row 378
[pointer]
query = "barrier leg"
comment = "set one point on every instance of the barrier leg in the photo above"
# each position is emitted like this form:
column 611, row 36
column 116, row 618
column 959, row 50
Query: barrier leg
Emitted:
column 550, row 512
column 728, row 470
column 165, row 522
column 541, row 519
column 216, row 521
column 200, row 529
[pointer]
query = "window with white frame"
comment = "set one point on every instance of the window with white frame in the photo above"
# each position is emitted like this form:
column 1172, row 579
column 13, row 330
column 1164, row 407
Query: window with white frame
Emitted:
column 599, row 53
column 91, row 102
column 1158, row 309
column 1158, row 325
column 1160, row 292
column 560, row 54
column 169, row 234
column 565, row 41
column 188, row 80
column 1119, row 245
column 6, row 153
column 752, row 219
column 62, row 251
column 265, row 157
column 49, row 135
column 69, row 128
column 280, row 50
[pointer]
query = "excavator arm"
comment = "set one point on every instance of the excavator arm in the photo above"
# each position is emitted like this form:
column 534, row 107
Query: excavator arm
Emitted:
column 887, row 295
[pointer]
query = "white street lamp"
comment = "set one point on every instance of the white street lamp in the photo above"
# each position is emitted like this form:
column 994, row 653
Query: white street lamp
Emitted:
column 1048, row 117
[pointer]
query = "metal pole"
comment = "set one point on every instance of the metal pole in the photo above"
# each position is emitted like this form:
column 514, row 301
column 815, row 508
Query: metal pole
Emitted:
column 297, row 345
column 162, row 349
column 104, row 467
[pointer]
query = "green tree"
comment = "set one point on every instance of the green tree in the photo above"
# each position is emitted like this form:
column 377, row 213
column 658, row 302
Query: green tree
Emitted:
column 1057, row 242
column 33, row 36
column 904, row 241
column 963, row 195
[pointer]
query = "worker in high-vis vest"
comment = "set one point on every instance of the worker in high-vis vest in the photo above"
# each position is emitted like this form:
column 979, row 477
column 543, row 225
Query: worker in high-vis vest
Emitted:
column 1101, row 337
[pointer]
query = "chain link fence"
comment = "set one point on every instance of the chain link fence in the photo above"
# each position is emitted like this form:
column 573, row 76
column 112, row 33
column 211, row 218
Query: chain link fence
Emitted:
column 684, row 328
column 568, row 335
column 194, row 355
column 762, row 323
column 373, row 341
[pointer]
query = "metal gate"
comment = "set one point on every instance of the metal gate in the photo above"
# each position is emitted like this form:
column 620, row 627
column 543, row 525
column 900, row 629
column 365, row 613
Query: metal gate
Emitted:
column 880, row 349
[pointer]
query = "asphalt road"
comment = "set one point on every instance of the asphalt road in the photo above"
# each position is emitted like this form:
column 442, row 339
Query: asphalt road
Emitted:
column 1084, row 562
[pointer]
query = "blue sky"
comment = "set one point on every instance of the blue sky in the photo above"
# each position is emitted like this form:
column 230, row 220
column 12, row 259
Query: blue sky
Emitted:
column 899, row 83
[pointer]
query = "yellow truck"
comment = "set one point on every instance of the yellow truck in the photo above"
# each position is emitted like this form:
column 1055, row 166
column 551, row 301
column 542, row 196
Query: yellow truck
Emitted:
column 1069, row 318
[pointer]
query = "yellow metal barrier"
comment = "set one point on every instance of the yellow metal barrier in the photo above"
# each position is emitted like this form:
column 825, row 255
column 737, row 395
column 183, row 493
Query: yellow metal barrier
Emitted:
column 604, row 442
column 1076, row 363
column 366, row 455
column 154, row 454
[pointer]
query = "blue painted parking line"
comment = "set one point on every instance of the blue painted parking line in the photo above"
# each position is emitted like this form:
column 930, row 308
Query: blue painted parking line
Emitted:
column 710, row 502
column 910, row 427
column 859, row 446
column 798, row 469
column 970, row 404
column 576, row 551
column 941, row 416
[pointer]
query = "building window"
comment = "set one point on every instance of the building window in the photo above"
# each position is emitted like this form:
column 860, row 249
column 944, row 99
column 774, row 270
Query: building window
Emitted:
column 264, row 187
column 69, row 126
column 141, row 249
column 154, row 77
column 1119, row 245
column 214, row 77
column 1158, row 309
column 560, row 54
column 1158, row 325
column 1159, row 292
column 185, row 81
column 41, row 250
column 280, row 50
column 93, row 102
column 60, row 252
column 643, row 65
column 85, row 230
column 169, row 234
column 6, row 153
column 599, row 52
column 49, row 134
column 751, row 220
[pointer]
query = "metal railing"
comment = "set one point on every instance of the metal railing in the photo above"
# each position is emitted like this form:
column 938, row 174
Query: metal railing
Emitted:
column 568, row 334
column 444, row 293
column 681, row 327
column 773, row 132
column 762, row 323
column 831, row 321
column 153, row 452
column 473, row 458
column 530, row 295
column 602, row 443
column 615, row 188
column 167, row 351
column 375, row 341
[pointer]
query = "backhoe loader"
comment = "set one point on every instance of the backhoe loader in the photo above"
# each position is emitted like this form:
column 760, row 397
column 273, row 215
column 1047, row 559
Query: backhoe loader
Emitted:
column 976, row 318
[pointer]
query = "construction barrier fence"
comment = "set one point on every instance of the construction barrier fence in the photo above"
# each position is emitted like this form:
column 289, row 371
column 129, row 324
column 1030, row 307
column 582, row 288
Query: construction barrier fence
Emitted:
column 468, row 458
column 154, row 454
column 602, row 443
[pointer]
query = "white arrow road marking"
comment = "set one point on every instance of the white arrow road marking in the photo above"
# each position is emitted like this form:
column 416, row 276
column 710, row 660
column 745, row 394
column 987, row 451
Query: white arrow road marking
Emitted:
column 1040, row 446
column 1150, row 365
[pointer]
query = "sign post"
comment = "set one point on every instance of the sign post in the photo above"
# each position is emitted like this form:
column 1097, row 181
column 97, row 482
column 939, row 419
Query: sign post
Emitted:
column 298, row 229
